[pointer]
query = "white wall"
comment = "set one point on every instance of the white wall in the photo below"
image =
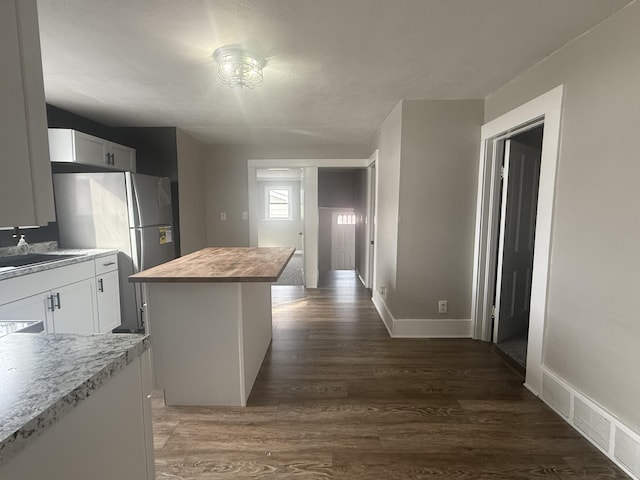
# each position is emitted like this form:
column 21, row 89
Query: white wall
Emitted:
column 279, row 233
column 191, row 192
column 592, row 331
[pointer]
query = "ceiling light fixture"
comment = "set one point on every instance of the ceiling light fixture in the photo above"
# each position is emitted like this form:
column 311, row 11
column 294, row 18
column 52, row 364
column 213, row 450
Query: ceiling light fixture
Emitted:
column 238, row 67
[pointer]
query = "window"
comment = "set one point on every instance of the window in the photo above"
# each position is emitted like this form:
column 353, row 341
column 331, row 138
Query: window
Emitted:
column 346, row 219
column 278, row 203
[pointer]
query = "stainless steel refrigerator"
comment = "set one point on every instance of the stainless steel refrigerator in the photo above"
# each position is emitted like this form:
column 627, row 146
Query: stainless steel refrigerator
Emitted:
column 123, row 210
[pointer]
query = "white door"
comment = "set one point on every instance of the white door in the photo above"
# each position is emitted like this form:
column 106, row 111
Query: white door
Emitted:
column 108, row 301
column 122, row 158
column 75, row 308
column 343, row 241
column 517, row 233
column 90, row 149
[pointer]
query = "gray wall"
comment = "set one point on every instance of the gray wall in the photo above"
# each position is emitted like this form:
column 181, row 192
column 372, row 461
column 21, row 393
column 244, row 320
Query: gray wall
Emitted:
column 427, row 174
column 324, row 239
column 226, row 182
column 592, row 332
column 438, row 184
column 388, row 143
column 336, row 188
column 193, row 229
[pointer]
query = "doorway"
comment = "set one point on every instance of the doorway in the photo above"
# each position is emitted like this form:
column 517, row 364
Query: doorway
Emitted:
column 343, row 240
column 547, row 108
column 520, row 174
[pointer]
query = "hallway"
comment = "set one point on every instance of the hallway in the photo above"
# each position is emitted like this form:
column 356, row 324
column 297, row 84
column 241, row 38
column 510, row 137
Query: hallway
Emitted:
column 336, row 398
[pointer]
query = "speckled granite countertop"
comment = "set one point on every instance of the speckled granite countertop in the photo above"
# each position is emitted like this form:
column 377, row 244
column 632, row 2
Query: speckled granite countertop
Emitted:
column 84, row 255
column 42, row 377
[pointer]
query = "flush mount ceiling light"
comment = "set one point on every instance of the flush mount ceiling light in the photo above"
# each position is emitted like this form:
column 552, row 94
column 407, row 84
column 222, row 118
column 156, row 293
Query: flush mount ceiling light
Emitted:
column 238, row 67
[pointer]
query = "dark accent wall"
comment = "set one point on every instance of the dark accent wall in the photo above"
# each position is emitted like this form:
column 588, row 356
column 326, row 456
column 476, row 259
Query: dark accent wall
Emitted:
column 156, row 153
column 336, row 188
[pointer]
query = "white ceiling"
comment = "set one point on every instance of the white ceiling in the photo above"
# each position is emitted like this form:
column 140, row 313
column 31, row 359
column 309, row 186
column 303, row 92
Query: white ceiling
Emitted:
column 335, row 68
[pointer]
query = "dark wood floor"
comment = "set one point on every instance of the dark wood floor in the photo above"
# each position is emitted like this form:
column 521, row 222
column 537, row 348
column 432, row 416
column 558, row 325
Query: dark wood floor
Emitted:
column 336, row 398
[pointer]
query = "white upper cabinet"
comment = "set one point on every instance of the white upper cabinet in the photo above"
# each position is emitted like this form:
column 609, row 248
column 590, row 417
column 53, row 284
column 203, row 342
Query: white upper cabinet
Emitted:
column 26, row 189
column 76, row 147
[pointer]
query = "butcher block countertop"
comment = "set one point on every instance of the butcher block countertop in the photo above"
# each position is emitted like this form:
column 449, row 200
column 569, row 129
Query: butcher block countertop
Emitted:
column 221, row 264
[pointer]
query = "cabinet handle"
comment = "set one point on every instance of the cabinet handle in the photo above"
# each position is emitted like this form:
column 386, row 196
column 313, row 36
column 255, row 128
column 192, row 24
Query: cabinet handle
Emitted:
column 108, row 263
column 58, row 301
column 100, row 285
column 51, row 305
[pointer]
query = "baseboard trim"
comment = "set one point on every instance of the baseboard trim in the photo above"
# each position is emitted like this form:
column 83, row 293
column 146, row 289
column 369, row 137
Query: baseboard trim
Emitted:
column 421, row 327
column 383, row 311
column 600, row 427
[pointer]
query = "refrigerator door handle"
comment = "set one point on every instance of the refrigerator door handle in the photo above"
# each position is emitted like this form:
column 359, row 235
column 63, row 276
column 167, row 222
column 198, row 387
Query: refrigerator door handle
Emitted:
column 136, row 202
column 139, row 249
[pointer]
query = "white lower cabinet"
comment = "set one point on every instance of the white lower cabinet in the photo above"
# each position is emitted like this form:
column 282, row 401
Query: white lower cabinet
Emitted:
column 69, row 299
column 108, row 288
column 106, row 436
column 74, row 308
column 30, row 308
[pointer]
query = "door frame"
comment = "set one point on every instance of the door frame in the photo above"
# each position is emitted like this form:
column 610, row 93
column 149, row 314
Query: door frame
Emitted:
column 311, row 212
column 548, row 107
column 371, row 239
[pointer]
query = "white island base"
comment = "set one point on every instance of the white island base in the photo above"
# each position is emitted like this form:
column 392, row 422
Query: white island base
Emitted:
column 208, row 340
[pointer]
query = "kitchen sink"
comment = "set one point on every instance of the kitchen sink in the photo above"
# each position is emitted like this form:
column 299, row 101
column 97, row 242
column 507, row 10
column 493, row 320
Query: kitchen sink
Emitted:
column 32, row 259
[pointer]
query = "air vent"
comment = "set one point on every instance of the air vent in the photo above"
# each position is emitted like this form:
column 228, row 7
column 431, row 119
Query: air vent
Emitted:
column 595, row 426
column 627, row 451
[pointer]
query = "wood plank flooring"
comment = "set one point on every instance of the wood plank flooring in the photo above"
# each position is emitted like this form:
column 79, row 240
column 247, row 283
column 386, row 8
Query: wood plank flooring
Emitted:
column 336, row 398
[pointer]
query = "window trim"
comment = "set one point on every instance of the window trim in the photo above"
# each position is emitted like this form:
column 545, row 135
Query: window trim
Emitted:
column 267, row 203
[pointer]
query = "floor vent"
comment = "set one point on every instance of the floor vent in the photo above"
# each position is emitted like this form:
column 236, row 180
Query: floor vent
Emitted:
column 594, row 425
column 556, row 395
column 626, row 450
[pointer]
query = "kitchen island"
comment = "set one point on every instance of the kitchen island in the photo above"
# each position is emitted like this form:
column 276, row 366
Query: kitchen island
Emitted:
column 71, row 404
column 209, row 314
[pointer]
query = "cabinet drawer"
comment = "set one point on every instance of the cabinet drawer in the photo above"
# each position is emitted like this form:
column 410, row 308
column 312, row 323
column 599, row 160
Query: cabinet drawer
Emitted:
column 106, row 264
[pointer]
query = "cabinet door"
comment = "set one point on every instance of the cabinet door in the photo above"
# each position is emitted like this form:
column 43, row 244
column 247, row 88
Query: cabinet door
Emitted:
column 75, row 308
column 91, row 150
column 108, row 295
column 26, row 192
column 37, row 307
column 123, row 158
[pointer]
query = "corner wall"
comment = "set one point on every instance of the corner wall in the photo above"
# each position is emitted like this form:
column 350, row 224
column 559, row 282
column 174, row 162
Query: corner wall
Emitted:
column 193, row 230
column 427, row 166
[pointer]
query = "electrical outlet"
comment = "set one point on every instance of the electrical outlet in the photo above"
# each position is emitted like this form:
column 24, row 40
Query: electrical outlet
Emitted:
column 245, row 215
column 443, row 306
column 223, row 216
column 383, row 290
